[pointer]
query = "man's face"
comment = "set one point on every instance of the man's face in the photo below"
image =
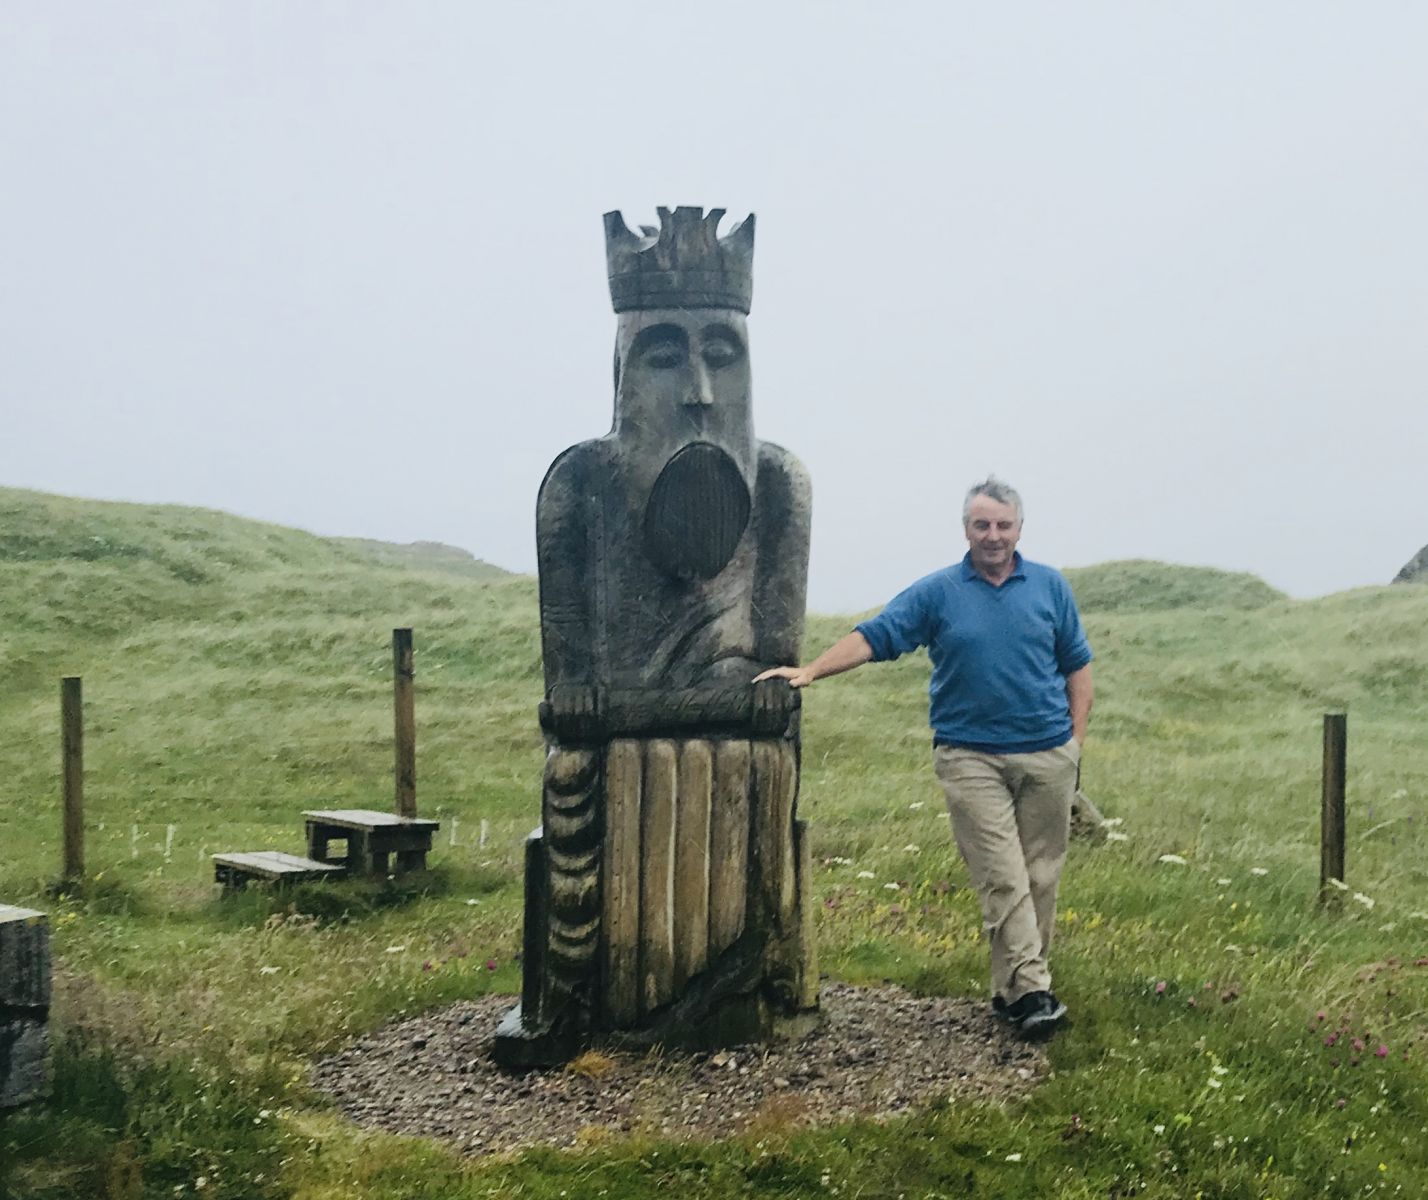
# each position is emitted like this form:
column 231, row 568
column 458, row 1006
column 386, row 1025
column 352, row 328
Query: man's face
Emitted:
column 993, row 529
column 686, row 371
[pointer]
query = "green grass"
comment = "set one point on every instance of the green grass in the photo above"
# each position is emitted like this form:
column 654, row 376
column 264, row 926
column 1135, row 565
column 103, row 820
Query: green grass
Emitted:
column 236, row 673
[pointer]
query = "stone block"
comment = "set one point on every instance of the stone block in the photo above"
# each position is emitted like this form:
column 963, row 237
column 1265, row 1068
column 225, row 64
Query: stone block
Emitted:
column 24, row 1060
column 24, row 958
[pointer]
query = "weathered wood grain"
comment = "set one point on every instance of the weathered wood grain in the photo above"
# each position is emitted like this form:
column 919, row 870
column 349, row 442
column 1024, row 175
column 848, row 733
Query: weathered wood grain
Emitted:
column 621, row 880
column 773, row 785
column 807, row 934
column 404, row 711
column 729, row 844
column 72, row 771
column 691, row 861
column 657, row 827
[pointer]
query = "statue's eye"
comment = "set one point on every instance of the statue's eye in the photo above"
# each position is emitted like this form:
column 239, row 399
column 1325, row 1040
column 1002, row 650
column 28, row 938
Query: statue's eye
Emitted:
column 721, row 351
column 664, row 354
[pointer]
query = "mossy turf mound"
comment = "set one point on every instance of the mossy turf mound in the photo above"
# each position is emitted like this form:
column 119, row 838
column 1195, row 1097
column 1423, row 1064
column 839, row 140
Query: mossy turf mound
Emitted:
column 1141, row 585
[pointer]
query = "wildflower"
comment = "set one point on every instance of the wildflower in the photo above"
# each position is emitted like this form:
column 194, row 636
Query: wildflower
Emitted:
column 1114, row 821
column 1013, row 1158
column 1331, row 1039
column 892, row 887
column 866, row 875
column 1219, row 1070
column 1340, row 1102
column 1213, row 1082
column 490, row 964
column 916, row 804
column 1158, row 1128
column 1366, row 901
column 1320, row 1015
column 473, row 902
column 394, row 949
column 1358, row 1045
column 426, row 966
column 1160, row 988
column 1174, row 859
column 1114, row 836
column 269, row 970
column 1337, row 884
column 1258, row 871
column 1381, row 1052
column 912, row 848
column 1224, row 882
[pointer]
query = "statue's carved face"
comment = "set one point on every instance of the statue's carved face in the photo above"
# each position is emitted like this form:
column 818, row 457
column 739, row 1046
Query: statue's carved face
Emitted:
column 684, row 375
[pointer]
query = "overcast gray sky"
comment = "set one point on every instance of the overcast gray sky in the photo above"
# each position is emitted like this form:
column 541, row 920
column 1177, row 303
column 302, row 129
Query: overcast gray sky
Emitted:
column 340, row 266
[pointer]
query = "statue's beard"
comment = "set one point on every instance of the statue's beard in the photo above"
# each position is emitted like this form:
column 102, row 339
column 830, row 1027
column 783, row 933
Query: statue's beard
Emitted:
column 697, row 511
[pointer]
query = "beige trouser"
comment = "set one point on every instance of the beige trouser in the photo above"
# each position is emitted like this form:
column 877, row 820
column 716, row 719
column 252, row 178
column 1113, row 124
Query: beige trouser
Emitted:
column 1011, row 816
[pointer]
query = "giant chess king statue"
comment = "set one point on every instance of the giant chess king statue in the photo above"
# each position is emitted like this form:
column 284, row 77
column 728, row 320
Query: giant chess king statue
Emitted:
column 668, row 888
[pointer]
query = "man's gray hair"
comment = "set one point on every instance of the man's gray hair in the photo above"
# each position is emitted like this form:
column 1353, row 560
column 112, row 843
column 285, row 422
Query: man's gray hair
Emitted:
column 994, row 489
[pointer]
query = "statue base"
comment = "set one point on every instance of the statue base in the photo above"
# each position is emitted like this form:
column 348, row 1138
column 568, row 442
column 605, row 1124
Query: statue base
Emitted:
column 742, row 1020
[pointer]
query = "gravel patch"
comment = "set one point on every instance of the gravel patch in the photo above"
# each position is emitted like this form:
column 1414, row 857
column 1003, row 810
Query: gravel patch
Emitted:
column 878, row 1051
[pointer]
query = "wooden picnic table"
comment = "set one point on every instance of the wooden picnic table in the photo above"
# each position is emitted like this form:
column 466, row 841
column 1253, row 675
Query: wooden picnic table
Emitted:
column 371, row 839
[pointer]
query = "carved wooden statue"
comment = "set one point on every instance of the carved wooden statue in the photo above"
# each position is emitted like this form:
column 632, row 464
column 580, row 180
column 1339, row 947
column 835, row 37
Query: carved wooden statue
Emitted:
column 668, row 887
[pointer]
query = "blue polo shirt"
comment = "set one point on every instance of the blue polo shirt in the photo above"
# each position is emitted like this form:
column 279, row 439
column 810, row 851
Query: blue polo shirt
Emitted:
column 1000, row 655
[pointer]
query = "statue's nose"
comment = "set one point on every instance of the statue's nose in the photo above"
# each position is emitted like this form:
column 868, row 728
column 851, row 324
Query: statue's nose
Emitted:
column 701, row 395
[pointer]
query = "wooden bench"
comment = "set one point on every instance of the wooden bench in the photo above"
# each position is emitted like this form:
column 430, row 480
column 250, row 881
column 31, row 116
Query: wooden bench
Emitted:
column 371, row 838
column 234, row 870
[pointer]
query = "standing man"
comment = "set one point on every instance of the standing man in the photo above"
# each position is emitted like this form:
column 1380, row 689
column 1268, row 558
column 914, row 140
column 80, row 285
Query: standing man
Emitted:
column 1010, row 697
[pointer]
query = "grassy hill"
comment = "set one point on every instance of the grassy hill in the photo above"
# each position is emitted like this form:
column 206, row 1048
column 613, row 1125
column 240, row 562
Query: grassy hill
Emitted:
column 1138, row 585
column 236, row 673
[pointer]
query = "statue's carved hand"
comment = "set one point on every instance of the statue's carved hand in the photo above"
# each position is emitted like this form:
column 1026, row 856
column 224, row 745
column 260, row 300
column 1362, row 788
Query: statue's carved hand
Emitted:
column 574, row 712
column 774, row 704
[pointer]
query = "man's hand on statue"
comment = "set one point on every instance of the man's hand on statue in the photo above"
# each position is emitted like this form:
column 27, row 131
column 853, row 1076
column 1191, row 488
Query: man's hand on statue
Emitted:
column 798, row 677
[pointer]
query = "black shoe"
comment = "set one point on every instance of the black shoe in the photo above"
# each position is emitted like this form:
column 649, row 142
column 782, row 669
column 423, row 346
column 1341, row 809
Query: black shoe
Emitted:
column 1036, row 1013
column 999, row 1008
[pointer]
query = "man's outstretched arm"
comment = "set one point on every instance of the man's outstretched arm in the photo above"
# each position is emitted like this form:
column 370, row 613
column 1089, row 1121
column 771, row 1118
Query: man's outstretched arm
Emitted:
column 843, row 655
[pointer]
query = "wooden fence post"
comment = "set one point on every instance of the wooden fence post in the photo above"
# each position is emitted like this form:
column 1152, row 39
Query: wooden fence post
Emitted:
column 402, row 673
column 1331, row 821
column 72, row 775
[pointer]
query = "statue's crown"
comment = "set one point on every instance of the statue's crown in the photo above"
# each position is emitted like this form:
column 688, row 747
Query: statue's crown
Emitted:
column 682, row 264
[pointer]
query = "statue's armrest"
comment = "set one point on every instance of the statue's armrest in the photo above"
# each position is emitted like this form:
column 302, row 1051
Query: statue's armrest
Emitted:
column 585, row 713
